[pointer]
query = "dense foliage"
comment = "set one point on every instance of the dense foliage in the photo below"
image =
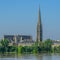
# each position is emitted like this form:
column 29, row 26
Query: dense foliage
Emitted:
column 40, row 47
column 4, row 46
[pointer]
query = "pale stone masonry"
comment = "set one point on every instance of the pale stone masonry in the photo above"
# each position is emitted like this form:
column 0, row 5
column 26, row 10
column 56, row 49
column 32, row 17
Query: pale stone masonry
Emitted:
column 39, row 28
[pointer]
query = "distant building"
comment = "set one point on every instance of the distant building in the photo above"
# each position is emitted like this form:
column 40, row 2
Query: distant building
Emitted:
column 19, row 39
column 55, row 43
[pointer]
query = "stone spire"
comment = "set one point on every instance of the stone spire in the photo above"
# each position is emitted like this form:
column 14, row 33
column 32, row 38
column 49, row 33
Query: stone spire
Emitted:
column 39, row 28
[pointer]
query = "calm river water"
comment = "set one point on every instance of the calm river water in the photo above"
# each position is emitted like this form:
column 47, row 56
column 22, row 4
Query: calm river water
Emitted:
column 31, row 57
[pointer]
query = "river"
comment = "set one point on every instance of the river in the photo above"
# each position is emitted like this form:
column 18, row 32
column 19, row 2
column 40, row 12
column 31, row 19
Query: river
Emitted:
column 31, row 57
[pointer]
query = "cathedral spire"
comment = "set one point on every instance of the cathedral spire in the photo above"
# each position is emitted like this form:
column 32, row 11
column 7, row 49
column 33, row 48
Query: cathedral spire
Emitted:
column 39, row 15
column 39, row 27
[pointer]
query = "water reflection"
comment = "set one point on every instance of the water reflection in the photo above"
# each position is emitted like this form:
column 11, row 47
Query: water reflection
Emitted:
column 47, row 57
column 12, row 55
column 8, row 56
column 25, row 57
column 39, row 57
column 30, row 57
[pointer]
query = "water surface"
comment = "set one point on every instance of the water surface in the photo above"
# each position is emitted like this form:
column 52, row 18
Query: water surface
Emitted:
column 30, row 57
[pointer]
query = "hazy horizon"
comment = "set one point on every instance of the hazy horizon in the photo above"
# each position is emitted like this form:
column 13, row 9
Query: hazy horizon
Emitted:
column 21, row 17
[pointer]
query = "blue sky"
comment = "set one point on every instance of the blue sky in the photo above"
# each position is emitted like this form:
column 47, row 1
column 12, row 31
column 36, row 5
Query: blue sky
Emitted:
column 21, row 16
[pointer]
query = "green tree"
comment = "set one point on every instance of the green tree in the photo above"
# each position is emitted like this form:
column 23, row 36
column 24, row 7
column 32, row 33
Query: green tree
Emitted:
column 57, row 49
column 41, row 47
column 48, row 45
column 4, row 44
column 35, row 48
column 20, row 49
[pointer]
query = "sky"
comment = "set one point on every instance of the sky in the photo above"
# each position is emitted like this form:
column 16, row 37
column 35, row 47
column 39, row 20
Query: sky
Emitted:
column 21, row 16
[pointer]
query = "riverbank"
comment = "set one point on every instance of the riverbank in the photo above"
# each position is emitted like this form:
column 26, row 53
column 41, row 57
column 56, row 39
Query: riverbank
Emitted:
column 36, row 48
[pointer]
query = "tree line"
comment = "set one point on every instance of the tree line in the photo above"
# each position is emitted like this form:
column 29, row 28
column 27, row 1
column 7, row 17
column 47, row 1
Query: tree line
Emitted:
column 37, row 47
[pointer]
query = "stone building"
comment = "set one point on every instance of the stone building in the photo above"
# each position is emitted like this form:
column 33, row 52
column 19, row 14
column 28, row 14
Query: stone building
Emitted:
column 19, row 39
column 39, row 28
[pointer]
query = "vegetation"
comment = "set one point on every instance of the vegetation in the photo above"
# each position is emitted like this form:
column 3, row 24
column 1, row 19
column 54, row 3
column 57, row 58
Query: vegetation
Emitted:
column 4, row 46
column 41, row 47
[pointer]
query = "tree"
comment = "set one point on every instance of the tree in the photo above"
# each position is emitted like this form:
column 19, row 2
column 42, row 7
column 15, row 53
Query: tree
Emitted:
column 41, row 47
column 35, row 48
column 48, row 45
column 4, row 44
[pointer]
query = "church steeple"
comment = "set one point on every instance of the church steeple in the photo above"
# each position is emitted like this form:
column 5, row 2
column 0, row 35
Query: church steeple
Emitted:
column 39, row 16
column 39, row 27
